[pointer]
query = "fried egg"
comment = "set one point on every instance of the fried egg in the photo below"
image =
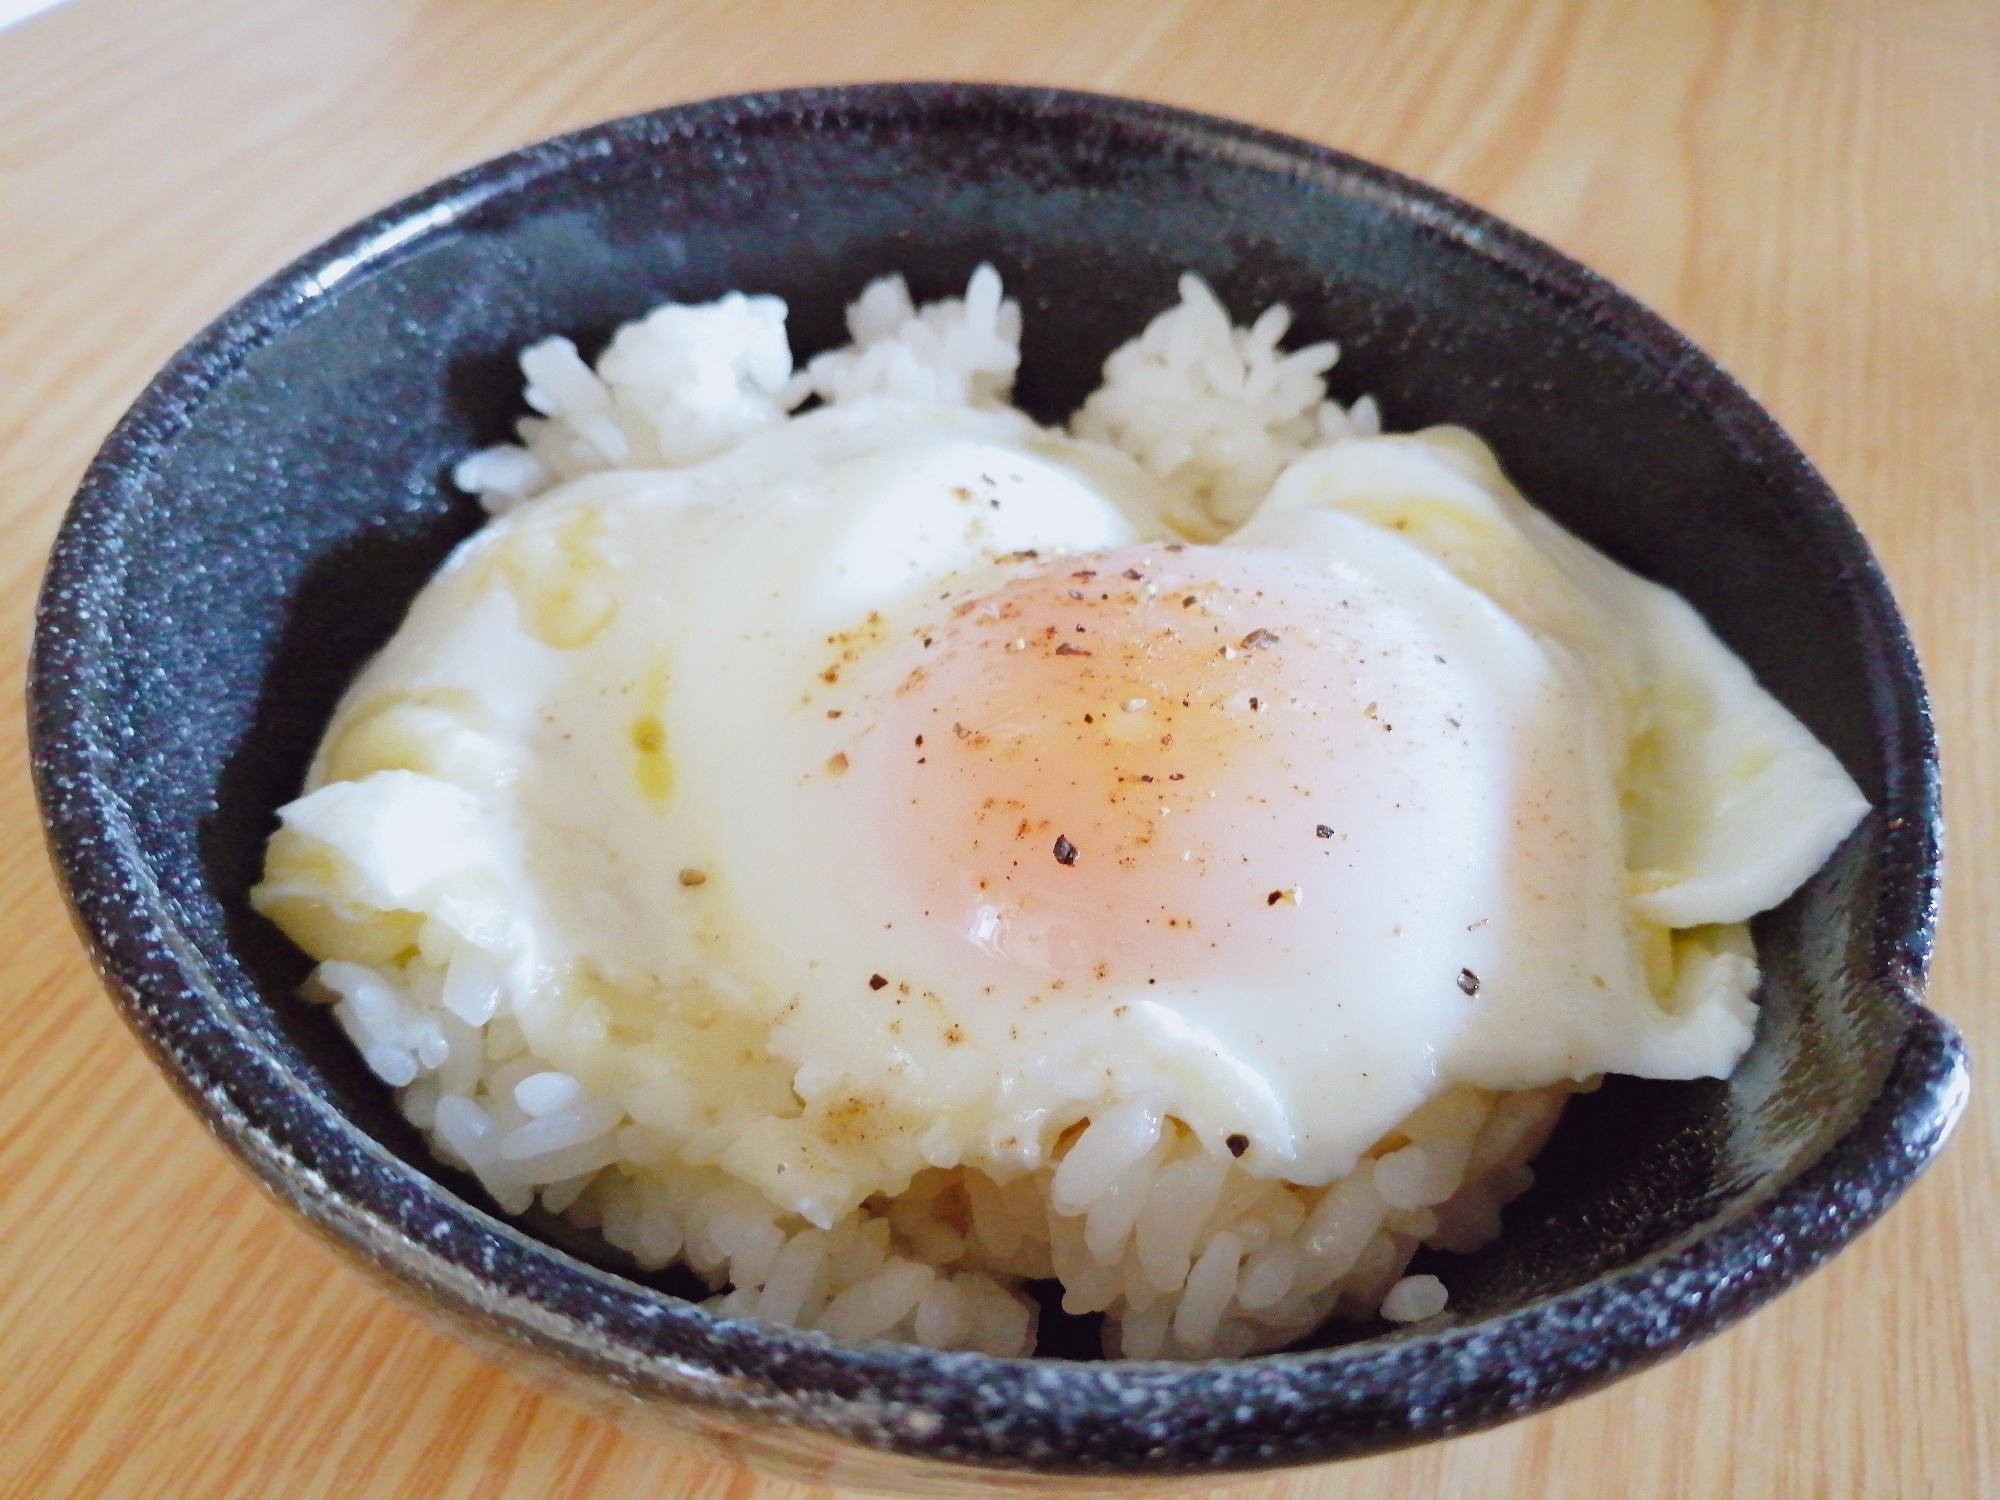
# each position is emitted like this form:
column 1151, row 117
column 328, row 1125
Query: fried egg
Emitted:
column 898, row 789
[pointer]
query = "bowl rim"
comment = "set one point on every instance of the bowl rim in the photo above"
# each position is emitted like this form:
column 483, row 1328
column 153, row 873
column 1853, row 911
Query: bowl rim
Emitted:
column 1061, row 1417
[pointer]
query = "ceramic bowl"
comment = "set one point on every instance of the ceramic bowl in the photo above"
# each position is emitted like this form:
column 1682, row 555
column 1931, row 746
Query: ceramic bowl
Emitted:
column 252, row 530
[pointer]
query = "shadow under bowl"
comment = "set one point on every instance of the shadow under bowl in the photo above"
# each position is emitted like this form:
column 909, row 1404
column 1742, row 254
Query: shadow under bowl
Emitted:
column 255, row 526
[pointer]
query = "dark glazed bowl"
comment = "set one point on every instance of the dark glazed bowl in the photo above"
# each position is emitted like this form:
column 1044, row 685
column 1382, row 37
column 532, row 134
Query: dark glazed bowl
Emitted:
column 253, row 529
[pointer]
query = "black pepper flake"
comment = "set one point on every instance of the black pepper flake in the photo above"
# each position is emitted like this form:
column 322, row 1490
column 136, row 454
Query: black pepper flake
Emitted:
column 1468, row 981
column 1145, row 778
column 1323, row 831
column 1274, row 898
column 1076, row 593
column 1175, row 547
column 1084, row 573
column 1237, row 1144
column 920, row 739
column 1066, row 649
column 1188, row 602
column 1258, row 639
column 1065, row 851
column 1133, row 573
column 877, row 982
column 1175, row 776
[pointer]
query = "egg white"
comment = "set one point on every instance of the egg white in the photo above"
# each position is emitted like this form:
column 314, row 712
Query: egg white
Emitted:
column 615, row 750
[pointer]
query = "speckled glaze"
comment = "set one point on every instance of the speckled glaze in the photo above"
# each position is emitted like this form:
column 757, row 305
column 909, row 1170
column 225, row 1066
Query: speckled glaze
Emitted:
column 254, row 527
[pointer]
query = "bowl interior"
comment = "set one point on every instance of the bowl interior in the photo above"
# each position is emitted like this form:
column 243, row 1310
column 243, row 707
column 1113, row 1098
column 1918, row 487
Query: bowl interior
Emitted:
column 255, row 530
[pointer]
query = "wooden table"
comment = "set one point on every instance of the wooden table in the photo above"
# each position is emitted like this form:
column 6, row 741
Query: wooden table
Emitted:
column 1811, row 190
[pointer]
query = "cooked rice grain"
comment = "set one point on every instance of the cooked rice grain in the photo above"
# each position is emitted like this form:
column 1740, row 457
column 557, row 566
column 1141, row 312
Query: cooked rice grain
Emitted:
column 1185, row 1253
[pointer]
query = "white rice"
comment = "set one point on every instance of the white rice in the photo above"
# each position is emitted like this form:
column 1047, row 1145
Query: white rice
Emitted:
column 1186, row 1254
column 1214, row 411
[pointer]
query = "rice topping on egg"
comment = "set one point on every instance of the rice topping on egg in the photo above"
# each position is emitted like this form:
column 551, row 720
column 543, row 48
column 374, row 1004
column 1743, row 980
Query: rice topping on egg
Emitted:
column 889, row 855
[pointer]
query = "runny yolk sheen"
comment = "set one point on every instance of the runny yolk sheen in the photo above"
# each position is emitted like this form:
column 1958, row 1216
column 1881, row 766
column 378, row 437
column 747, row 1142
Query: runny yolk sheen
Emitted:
column 1154, row 764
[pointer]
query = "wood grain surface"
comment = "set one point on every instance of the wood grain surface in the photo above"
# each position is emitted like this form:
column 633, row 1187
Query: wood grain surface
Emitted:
column 1812, row 191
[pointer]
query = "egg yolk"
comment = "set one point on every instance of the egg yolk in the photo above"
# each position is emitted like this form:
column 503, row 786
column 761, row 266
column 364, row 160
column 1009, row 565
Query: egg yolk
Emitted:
column 1152, row 764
